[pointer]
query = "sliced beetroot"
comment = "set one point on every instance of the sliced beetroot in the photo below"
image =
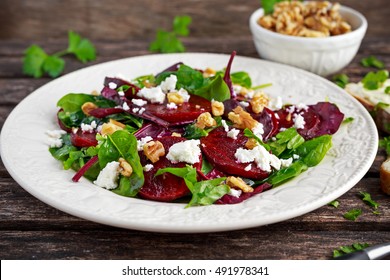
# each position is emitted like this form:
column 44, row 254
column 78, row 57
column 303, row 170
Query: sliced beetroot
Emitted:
column 61, row 124
column 229, row 105
column 111, row 94
column 119, row 82
column 186, row 112
column 172, row 68
column 330, row 116
column 219, row 150
column 268, row 120
column 153, row 130
column 229, row 199
column 165, row 187
column 104, row 112
column 82, row 139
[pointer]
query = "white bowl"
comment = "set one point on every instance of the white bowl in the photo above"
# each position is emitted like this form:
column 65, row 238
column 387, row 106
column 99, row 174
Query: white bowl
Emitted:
column 322, row 56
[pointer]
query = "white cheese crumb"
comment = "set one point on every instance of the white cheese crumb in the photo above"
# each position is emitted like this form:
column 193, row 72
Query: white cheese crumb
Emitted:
column 250, row 94
column 169, row 84
column 88, row 127
column 286, row 162
column 183, row 93
column 142, row 142
column 233, row 133
column 141, row 110
column 290, row 109
column 225, row 126
column 258, row 130
column 248, row 167
column 135, row 110
column 148, row 167
column 234, row 192
column 171, row 106
column 108, row 177
column 112, row 85
column 237, row 89
column 244, row 104
column 187, row 151
column 295, row 156
column 125, row 106
column 154, row 94
column 121, row 93
column 260, row 156
column 55, row 133
column 299, row 121
column 55, row 142
column 302, row 106
column 139, row 102
column 276, row 103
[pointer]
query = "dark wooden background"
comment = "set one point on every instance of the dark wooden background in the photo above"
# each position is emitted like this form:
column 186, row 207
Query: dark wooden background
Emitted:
column 29, row 229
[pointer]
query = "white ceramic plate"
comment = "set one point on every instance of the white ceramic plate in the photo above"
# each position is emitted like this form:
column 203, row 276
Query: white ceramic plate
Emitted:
column 25, row 152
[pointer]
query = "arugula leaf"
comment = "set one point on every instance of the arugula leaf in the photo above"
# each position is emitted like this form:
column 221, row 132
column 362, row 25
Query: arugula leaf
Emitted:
column 342, row 250
column 352, row 214
column 289, row 139
column 180, row 25
column 341, row 80
column 241, row 78
column 33, row 60
column 248, row 133
column 191, row 131
column 372, row 61
column 207, row 192
column 123, row 144
column 72, row 102
column 188, row 78
column 268, row 5
column 215, row 88
column 287, row 173
column 313, row 151
column 366, row 197
column 334, row 203
column 82, row 48
column 374, row 80
column 203, row 192
column 206, row 167
column 168, row 42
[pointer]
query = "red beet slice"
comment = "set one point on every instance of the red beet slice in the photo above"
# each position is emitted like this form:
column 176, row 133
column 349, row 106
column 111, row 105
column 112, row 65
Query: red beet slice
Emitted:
column 229, row 199
column 268, row 120
column 104, row 112
column 83, row 139
column 219, row 150
column 165, row 187
column 185, row 112
column 61, row 124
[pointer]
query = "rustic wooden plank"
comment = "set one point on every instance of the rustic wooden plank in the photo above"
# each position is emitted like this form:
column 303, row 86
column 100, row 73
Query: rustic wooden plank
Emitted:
column 120, row 244
column 120, row 19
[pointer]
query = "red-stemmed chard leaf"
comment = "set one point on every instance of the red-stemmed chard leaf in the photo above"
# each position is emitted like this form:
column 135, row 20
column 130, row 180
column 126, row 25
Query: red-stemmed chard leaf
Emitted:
column 84, row 169
column 229, row 199
column 227, row 78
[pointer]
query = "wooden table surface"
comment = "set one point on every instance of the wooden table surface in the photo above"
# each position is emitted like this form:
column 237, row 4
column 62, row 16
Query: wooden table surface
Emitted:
column 30, row 229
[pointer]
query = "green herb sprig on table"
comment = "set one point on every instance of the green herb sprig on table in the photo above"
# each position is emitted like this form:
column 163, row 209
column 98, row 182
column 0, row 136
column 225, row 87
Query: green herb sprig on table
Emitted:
column 372, row 61
column 341, row 80
column 353, row 214
column 36, row 62
column 168, row 41
column 375, row 80
column 342, row 250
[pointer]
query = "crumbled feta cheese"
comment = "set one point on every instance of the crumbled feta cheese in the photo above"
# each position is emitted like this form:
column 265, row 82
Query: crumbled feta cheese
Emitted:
column 139, row 102
column 55, row 142
column 55, row 133
column 121, row 93
column 290, row 109
column 237, row 89
column 276, row 103
column 286, row 162
column 99, row 128
column 112, row 85
column 233, row 133
column 171, row 106
column 302, row 106
column 248, row 167
column 295, row 156
column 142, row 142
column 244, row 104
column 108, row 177
column 88, row 127
column 277, row 116
column 135, row 110
column 282, row 129
column 187, row 151
column 250, row 94
column 125, row 106
column 299, row 121
column 148, row 167
column 225, row 126
column 183, row 93
column 258, row 130
column 260, row 156
column 169, row 84
column 154, row 94
column 234, row 192
column 141, row 110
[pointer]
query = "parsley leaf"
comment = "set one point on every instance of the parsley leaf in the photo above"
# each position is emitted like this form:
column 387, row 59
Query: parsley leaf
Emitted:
column 374, row 80
column 34, row 58
column 353, row 214
column 268, row 5
column 372, row 61
column 385, row 143
column 167, row 41
column 341, row 80
column 366, row 197
column 387, row 90
column 36, row 62
column 334, row 203
column 342, row 250
column 82, row 48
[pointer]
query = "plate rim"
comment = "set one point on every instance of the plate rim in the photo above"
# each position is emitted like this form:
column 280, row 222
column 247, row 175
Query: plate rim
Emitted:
column 298, row 211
